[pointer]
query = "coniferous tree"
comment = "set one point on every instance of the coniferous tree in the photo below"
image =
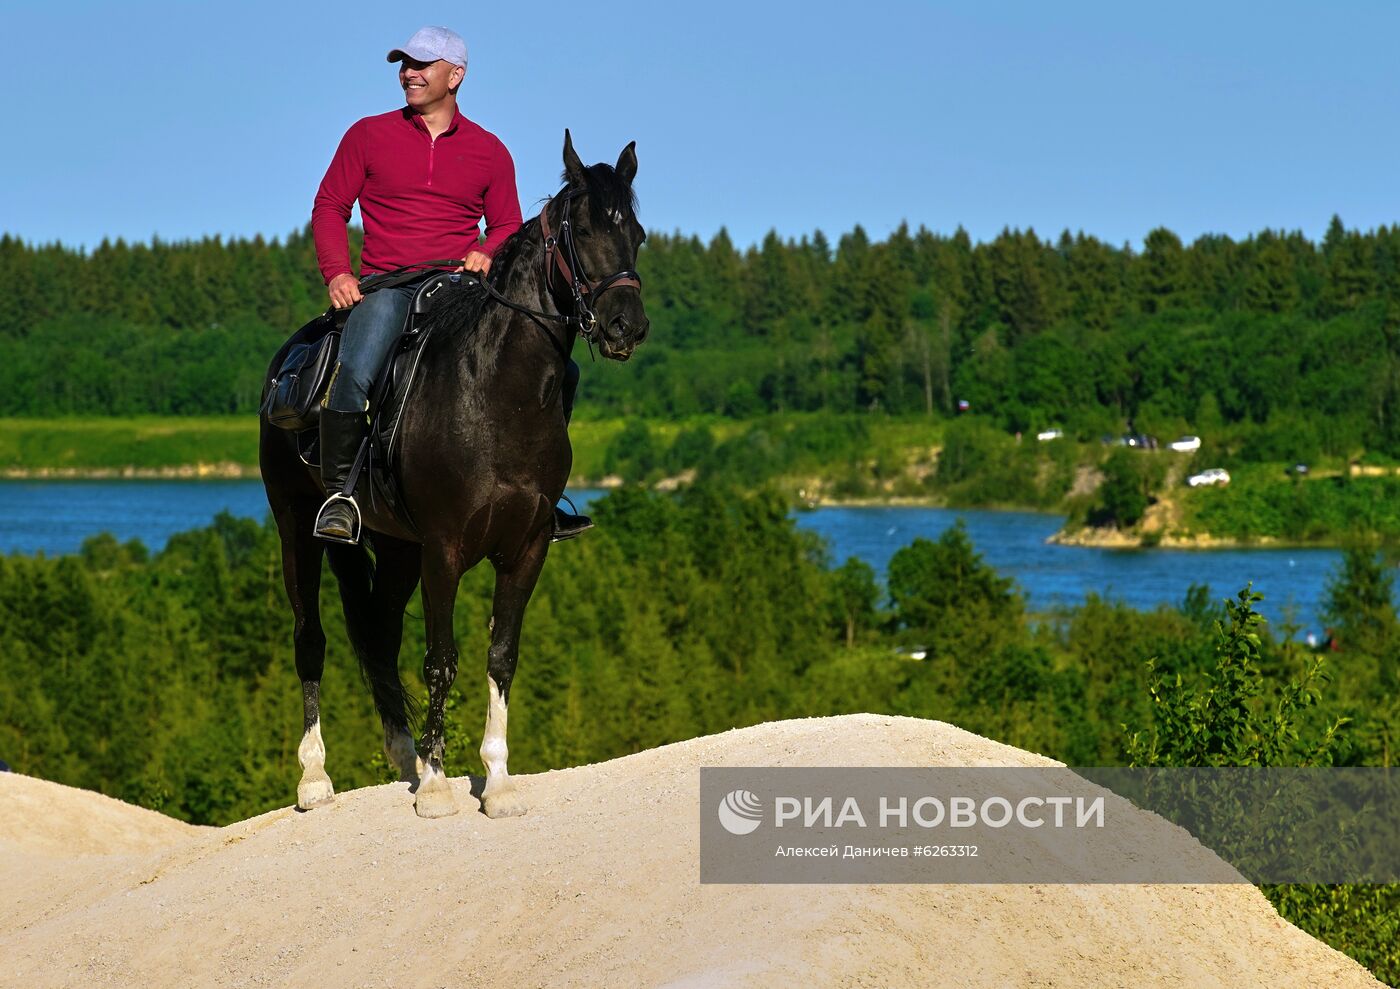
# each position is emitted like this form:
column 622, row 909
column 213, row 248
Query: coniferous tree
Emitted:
column 1162, row 279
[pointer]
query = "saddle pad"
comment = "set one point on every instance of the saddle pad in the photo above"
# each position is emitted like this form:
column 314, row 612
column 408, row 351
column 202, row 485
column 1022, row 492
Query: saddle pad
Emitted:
column 402, row 371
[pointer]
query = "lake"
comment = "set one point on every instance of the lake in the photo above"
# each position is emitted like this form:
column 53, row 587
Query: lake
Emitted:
column 54, row 517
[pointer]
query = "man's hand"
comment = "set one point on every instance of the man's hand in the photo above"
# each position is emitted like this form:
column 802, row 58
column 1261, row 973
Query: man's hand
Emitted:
column 344, row 291
column 476, row 261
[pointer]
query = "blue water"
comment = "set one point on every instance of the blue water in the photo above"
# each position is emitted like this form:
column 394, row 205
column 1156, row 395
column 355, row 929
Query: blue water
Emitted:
column 54, row 517
column 1293, row 581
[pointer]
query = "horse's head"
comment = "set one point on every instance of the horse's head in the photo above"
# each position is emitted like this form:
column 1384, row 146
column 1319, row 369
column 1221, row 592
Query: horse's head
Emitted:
column 599, row 249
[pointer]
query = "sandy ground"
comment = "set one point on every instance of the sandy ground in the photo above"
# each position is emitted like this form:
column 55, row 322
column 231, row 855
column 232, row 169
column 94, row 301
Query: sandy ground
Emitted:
column 596, row 886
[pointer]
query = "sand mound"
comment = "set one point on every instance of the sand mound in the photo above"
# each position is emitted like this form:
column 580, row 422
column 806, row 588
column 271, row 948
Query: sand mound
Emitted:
column 37, row 816
column 597, row 885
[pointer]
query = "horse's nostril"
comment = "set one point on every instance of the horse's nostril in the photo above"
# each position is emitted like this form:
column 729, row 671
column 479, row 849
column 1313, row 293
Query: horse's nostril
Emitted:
column 618, row 324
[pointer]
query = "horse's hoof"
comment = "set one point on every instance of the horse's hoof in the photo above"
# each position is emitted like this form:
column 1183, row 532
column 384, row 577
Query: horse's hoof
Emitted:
column 315, row 789
column 403, row 756
column 434, row 798
column 507, row 803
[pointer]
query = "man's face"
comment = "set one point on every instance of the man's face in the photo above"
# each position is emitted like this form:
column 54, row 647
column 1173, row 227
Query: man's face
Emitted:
column 426, row 83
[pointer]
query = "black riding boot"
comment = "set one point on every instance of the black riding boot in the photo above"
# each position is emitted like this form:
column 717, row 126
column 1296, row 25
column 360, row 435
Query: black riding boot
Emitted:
column 568, row 526
column 341, row 435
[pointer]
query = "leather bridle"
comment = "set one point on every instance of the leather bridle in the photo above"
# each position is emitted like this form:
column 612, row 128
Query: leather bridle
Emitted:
column 561, row 256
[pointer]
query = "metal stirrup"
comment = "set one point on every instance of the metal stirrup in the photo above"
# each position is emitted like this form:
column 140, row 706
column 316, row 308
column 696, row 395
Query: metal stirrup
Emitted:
column 354, row 539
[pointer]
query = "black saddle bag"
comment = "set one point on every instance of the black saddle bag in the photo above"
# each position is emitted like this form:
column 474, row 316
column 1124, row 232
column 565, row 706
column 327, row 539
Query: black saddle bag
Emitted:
column 294, row 399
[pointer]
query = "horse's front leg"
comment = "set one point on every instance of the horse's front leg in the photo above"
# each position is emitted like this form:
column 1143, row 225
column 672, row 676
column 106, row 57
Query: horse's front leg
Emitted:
column 441, row 575
column 513, row 589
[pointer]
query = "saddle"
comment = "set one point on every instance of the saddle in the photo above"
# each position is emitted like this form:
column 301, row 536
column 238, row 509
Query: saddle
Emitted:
column 293, row 400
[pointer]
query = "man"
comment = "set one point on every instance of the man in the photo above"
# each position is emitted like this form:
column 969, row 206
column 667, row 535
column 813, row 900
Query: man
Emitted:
column 425, row 176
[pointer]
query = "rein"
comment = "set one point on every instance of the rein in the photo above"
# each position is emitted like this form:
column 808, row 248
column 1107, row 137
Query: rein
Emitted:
column 560, row 255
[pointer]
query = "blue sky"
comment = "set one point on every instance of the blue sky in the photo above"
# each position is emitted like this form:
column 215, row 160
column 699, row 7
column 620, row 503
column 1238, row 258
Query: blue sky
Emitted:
column 178, row 120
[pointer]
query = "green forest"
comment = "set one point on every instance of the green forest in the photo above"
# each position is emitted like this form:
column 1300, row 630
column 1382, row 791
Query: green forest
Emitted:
column 1291, row 346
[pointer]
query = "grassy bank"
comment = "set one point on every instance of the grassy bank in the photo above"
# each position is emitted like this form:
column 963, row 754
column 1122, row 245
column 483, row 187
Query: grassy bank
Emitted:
column 172, row 444
column 102, row 446
column 116, row 445
column 228, row 445
column 1262, row 503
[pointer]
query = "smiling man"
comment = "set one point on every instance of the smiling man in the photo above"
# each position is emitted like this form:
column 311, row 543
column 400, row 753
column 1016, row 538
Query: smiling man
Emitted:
column 425, row 177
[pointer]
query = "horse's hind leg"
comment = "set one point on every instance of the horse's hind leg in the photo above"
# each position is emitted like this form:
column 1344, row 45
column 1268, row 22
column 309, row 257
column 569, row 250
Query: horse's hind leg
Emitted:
column 513, row 590
column 398, row 565
column 442, row 571
column 374, row 598
column 301, row 575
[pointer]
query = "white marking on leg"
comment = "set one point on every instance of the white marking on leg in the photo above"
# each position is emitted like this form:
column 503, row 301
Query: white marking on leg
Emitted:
column 493, row 740
column 312, row 750
column 434, row 796
column 315, row 787
column 498, row 796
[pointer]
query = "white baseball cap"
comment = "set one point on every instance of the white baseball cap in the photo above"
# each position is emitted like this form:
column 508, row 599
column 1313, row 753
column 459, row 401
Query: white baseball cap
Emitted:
column 430, row 44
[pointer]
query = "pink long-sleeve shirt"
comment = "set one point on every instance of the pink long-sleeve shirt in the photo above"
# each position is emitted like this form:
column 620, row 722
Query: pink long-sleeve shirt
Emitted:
column 420, row 198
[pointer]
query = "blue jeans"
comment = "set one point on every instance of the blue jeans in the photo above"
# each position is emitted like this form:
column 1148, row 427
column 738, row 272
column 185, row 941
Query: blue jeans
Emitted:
column 370, row 333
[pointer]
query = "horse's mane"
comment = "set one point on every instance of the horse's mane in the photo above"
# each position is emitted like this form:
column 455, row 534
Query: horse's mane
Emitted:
column 606, row 192
column 463, row 310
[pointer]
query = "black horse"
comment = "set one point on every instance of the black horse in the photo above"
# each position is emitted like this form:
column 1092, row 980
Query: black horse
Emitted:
column 483, row 457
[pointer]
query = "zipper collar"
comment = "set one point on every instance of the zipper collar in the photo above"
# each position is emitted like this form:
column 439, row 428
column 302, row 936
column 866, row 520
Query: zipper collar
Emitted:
column 416, row 119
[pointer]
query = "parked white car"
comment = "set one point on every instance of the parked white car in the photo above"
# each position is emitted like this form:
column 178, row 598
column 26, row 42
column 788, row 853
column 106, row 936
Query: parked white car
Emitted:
column 1206, row 478
column 1050, row 434
column 1187, row 444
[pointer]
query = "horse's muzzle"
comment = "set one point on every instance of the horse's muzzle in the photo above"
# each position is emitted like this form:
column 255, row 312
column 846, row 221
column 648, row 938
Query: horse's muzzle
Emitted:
column 621, row 336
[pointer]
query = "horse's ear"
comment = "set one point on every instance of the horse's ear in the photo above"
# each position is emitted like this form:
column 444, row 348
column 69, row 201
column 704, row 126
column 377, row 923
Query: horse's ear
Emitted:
column 573, row 167
column 627, row 163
